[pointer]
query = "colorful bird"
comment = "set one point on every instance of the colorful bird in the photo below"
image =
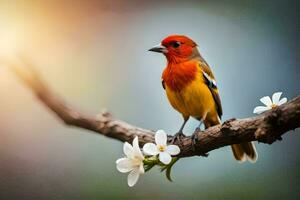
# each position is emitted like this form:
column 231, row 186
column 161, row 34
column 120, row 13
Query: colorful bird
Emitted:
column 192, row 90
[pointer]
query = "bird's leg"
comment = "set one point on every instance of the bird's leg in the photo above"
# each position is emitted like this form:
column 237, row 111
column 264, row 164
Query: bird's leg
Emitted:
column 194, row 137
column 179, row 134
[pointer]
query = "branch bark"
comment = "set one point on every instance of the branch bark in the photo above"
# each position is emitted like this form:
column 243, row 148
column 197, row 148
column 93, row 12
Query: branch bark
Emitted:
column 266, row 128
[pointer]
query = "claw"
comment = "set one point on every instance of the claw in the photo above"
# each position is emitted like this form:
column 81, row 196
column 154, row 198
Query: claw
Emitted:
column 178, row 136
column 194, row 141
column 195, row 138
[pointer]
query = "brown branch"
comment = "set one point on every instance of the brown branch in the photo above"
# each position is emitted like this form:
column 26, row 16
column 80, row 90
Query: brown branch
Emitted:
column 267, row 127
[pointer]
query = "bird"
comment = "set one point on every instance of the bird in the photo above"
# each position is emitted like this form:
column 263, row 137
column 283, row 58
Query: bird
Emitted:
column 191, row 89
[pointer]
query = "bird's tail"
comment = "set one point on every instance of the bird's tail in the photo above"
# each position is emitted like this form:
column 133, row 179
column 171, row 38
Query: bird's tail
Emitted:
column 242, row 152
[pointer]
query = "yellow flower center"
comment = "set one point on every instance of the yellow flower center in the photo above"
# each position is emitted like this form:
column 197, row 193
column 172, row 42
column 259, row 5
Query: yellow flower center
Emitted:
column 273, row 106
column 136, row 161
column 161, row 148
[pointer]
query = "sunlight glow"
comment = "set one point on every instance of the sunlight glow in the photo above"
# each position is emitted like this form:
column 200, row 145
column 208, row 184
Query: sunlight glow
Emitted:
column 9, row 42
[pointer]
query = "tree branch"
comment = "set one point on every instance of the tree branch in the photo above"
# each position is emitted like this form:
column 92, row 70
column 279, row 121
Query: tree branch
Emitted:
column 267, row 127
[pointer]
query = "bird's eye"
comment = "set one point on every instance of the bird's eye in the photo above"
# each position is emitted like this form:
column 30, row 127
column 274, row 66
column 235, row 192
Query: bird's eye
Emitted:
column 175, row 44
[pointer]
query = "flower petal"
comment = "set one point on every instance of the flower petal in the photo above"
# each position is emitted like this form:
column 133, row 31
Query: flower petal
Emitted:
column 128, row 150
column 282, row 101
column 136, row 148
column 161, row 138
column 173, row 150
column 266, row 100
column 142, row 170
column 133, row 177
column 276, row 97
column 124, row 165
column 260, row 109
column 165, row 158
column 150, row 149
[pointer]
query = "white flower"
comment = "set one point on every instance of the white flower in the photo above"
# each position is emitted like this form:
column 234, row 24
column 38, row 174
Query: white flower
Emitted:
column 133, row 162
column 161, row 148
column 269, row 104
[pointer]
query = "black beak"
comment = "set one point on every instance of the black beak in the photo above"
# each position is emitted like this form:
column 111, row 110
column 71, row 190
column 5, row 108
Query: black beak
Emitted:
column 159, row 49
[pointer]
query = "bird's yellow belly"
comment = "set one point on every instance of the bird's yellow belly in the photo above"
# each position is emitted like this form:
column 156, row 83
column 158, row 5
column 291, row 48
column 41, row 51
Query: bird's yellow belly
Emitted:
column 194, row 100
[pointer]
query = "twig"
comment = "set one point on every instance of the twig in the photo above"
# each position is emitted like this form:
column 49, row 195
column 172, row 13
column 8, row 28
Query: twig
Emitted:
column 266, row 128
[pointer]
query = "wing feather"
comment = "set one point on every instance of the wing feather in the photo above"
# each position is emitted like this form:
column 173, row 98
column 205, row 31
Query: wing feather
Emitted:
column 212, row 85
column 163, row 84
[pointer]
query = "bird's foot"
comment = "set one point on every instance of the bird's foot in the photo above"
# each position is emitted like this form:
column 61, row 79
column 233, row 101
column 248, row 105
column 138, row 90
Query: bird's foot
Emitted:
column 177, row 137
column 195, row 138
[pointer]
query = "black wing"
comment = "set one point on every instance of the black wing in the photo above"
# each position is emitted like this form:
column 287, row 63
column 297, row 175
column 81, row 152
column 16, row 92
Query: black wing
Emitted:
column 163, row 84
column 212, row 85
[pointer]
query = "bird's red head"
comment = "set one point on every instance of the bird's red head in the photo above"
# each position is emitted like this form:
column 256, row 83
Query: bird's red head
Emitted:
column 176, row 48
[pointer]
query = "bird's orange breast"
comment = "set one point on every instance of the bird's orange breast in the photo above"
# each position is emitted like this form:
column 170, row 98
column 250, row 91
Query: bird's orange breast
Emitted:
column 178, row 76
column 187, row 92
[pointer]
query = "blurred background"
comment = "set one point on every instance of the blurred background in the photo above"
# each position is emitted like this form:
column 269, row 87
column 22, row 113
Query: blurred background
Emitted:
column 94, row 54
